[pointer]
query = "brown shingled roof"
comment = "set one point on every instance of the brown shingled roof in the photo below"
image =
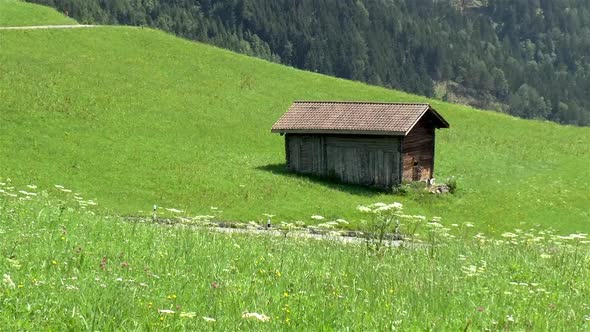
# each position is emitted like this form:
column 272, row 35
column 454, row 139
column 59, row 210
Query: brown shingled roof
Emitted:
column 306, row 117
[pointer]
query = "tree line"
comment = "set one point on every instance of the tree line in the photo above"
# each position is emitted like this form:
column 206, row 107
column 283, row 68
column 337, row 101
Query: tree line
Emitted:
column 529, row 58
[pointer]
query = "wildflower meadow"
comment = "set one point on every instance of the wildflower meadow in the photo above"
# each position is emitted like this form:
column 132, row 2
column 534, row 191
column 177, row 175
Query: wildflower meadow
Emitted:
column 66, row 266
column 98, row 125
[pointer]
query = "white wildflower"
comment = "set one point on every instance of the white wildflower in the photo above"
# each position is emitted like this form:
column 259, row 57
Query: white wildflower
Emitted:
column 59, row 186
column 254, row 315
column 317, row 217
column 363, row 208
column 188, row 314
column 470, row 270
column 454, row 225
column 398, row 205
column 468, row 224
column 166, row 311
column 173, row 210
column 7, row 281
column 383, row 208
column 209, row 319
column 66, row 190
column 31, row 186
column 119, row 279
column 479, row 236
column 327, row 225
column 14, row 263
column 510, row 318
column 395, row 206
column 509, row 235
column 565, row 237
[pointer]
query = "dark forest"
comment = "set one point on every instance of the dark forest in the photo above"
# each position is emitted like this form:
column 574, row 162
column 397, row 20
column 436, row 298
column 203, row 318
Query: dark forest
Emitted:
column 528, row 58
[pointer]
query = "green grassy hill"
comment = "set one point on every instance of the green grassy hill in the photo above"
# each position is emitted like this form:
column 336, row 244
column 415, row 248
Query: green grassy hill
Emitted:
column 19, row 13
column 134, row 117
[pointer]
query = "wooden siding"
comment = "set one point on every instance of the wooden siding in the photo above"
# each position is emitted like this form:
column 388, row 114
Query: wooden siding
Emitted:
column 306, row 154
column 374, row 161
column 418, row 152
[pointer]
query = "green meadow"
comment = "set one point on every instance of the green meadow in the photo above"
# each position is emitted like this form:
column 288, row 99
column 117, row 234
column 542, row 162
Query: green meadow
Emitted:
column 135, row 117
column 19, row 13
column 99, row 124
column 64, row 267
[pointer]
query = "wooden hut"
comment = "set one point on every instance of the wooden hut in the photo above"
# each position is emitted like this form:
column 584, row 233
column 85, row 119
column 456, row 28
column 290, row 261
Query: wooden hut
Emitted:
column 368, row 143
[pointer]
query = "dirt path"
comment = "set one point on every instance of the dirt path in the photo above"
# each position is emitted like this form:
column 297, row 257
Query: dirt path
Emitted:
column 34, row 27
column 346, row 237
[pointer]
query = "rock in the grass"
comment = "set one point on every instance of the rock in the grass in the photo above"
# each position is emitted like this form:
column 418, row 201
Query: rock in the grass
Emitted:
column 443, row 189
column 440, row 189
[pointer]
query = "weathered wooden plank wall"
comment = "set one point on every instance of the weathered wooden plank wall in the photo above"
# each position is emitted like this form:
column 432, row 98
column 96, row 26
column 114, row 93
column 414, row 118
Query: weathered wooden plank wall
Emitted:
column 364, row 159
column 418, row 150
column 367, row 160
column 306, row 154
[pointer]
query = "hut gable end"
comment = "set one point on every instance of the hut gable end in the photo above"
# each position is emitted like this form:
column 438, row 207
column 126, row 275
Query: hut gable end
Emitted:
column 376, row 144
column 418, row 151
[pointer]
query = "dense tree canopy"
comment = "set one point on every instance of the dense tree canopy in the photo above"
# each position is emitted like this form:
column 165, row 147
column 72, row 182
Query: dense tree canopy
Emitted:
column 530, row 58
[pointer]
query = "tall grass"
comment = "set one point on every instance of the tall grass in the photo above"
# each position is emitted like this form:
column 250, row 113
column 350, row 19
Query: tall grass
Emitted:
column 66, row 268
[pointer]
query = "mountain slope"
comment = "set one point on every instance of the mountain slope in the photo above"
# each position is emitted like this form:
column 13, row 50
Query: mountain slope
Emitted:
column 136, row 117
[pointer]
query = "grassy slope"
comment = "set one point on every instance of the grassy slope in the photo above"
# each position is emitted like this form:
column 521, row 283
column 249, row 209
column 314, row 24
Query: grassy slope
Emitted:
column 137, row 117
column 65, row 270
column 18, row 13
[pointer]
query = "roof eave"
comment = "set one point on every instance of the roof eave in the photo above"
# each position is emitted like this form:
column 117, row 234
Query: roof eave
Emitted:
column 338, row 132
column 443, row 122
